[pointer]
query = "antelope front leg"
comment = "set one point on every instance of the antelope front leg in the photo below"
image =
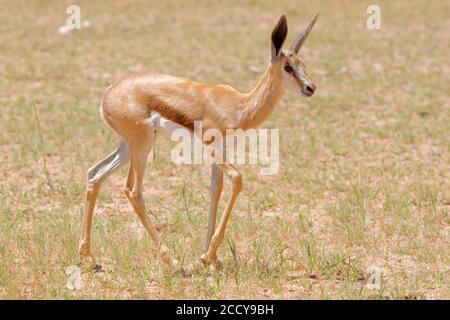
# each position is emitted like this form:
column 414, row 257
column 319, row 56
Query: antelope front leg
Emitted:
column 216, row 190
column 236, row 181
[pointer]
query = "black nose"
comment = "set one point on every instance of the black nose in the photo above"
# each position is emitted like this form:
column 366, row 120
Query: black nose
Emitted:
column 310, row 89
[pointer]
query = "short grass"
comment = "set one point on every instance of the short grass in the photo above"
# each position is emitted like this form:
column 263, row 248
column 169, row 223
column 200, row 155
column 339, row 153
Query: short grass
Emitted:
column 365, row 164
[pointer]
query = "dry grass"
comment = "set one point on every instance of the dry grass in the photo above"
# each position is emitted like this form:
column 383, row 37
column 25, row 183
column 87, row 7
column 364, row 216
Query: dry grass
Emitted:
column 365, row 164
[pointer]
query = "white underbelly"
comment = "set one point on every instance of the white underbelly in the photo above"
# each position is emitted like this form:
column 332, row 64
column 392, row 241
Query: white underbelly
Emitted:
column 175, row 131
column 165, row 126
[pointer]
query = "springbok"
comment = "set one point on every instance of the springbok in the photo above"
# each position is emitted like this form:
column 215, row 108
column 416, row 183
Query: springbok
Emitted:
column 141, row 105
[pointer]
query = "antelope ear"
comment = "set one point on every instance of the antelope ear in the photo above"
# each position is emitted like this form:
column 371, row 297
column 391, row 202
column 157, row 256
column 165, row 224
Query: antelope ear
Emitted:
column 278, row 36
column 300, row 39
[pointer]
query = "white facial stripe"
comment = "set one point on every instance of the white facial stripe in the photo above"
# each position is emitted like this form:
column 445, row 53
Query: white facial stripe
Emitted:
column 300, row 74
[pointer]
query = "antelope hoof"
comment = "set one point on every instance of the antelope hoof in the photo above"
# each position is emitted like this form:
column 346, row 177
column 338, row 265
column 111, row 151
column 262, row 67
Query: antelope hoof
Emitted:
column 87, row 259
column 167, row 258
column 84, row 249
column 214, row 265
column 97, row 268
column 182, row 273
column 204, row 259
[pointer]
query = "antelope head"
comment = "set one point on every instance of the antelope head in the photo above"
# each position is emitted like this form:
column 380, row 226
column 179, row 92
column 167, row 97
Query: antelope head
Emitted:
column 291, row 66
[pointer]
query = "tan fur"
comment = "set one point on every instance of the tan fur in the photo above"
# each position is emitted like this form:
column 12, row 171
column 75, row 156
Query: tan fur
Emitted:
column 129, row 102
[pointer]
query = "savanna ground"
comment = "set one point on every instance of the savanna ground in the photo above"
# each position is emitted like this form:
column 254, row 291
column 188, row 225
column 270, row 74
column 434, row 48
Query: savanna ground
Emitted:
column 365, row 164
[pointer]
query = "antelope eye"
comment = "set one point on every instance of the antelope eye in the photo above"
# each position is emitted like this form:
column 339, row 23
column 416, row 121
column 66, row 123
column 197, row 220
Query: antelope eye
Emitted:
column 288, row 68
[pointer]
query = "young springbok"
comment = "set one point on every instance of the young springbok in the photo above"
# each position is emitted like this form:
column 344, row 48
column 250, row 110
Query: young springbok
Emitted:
column 141, row 105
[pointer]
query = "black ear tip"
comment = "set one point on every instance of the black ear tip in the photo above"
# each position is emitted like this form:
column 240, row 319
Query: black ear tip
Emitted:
column 281, row 27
